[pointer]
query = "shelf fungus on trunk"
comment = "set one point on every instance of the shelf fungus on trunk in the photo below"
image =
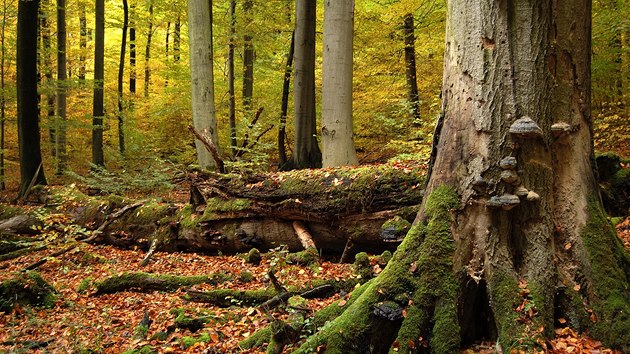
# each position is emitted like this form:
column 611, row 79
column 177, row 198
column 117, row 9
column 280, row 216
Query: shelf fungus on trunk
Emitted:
column 510, row 177
column 525, row 128
column 505, row 202
column 508, row 163
column 560, row 129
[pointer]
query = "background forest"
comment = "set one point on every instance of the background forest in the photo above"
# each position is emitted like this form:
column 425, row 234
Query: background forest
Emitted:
column 157, row 111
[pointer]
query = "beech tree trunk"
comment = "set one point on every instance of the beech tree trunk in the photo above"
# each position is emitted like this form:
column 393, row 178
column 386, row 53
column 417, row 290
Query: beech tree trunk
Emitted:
column 132, row 48
column 31, row 170
column 46, row 67
column 60, row 127
column 147, row 52
column 177, row 38
column 410, row 67
column 121, row 82
column 99, row 74
column 337, row 141
column 306, row 153
column 248, row 59
column 284, row 104
column 202, row 76
column 82, row 43
column 3, row 101
column 230, row 77
column 512, row 235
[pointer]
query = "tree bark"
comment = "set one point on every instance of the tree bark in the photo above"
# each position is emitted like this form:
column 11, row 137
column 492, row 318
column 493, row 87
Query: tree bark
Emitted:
column 121, row 73
column 284, row 105
column 132, row 48
column 248, row 59
column 306, row 153
column 202, row 77
column 230, row 78
column 410, row 68
column 147, row 52
column 3, row 102
column 82, row 44
column 177, row 38
column 337, row 137
column 46, row 66
column 480, row 261
column 27, row 111
column 60, row 129
column 98, row 158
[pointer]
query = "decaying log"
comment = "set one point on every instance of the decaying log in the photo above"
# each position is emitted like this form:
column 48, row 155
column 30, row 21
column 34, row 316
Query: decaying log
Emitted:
column 21, row 224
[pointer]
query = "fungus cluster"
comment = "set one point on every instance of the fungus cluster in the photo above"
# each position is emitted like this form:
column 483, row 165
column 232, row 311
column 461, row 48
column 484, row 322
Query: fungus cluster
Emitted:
column 525, row 128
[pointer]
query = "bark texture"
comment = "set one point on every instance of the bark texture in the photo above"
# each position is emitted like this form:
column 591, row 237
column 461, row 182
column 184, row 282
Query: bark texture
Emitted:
column 337, row 141
column 512, row 234
column 201, row 76
column 306, row 153
column 99, row 74
column 27, row 112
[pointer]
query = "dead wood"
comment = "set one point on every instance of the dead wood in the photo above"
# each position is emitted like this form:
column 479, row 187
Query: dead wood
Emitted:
column 207, row 142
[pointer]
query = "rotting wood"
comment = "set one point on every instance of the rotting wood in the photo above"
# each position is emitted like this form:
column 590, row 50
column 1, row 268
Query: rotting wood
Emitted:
column 149, row 255
column 303, row 235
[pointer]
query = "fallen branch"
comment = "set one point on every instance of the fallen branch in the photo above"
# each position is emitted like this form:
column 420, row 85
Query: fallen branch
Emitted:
column 45, row 259
column 303, row 235
column 207, row 142
column 152, row 249
column 21, row 252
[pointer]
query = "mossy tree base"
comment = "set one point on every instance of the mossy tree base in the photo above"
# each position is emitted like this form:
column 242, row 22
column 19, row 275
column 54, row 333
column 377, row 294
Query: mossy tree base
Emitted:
column 26, row 288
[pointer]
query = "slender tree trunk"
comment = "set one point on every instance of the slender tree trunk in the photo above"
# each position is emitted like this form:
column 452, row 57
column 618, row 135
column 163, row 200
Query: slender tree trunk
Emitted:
column 248, row 59
column 3, row 102
column 60, row 128
column 230, row 78
column 284, row 106
column 168, row 34
column 132, row 48
column 306, row 153
column 410, row 67
column 121, row 73
column 147, row 52
column 82, row 44
column 337, row 142
column 27, row 113
column 512, row 235
column 201, row 76
column 47, row 68
column 97, row 105
column 177, row 38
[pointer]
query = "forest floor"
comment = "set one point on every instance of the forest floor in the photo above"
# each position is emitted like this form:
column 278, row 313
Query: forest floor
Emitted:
column 82, row 321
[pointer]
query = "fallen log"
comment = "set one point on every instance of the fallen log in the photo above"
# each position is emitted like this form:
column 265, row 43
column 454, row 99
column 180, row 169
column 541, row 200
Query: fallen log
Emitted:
column 144, row 282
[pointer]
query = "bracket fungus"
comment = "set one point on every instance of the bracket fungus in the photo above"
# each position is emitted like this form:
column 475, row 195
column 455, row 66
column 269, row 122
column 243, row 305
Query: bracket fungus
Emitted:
column 525, row 128
column 532, row 196
column 508, row 163
column 509, row 176
column 521, row 191
column 505, row 202
column 560, row 128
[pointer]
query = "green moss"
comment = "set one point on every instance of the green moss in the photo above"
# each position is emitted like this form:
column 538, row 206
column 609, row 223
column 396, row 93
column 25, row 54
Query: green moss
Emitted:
column 84, row 285
column 144, row 350
column 253, row 257
column 395, row 228
column 141, row 331
column 246, row 277
column 610, row 264
column 27, row 288
column 257, row 339
column 183, row 321
column 362, row 267
column 504, row 298
column 384, row 258
column 188, row 341
column 305, row 257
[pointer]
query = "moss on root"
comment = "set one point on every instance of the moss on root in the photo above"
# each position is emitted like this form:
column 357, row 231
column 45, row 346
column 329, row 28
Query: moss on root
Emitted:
column 420, row 271
column 610, row 264
column 27, row 288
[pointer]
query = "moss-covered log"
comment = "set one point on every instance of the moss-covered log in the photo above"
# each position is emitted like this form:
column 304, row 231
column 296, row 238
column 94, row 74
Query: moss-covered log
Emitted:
column 144, row 282
column 26, row 288
column 231, row 297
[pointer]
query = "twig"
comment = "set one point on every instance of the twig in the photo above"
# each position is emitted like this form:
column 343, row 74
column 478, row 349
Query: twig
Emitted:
column 250, row 126
column 242, row 151
column 110, row 219
column 32, row 184
column 45, row 259
column 210, row 147
column 346, row 250
column 152, row 249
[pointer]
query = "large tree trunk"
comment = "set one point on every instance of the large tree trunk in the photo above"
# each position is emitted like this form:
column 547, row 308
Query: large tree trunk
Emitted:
column 147, row 52
column 3, row 101
column 284, row 104
column 202, row 77
column 99, row 75
column 132, row 48
column 512, row 235
column 31, row 171
column 306, row 153
column 337, row 142
column 230, row 77
column 82, row 43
